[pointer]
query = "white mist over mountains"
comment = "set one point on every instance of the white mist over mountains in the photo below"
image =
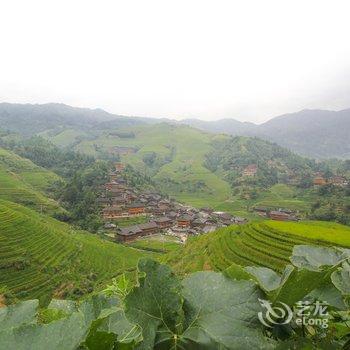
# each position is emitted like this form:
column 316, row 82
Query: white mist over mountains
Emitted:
column 247, row 60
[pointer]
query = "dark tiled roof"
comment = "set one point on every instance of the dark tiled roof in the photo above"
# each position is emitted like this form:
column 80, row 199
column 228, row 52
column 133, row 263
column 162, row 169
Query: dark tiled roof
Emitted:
column 162, row 219
column 185, row 218
column 136, row 205
column 148, row 225
column 274, row 212
column 129, row 231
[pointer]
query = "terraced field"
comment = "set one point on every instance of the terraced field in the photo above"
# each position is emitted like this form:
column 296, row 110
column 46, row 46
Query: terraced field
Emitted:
column 40, row 256
column 268, row 244
column 23, row 182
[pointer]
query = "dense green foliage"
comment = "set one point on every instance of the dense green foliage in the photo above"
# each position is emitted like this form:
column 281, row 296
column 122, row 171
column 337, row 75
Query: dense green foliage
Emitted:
column 137, row 180
column 205, row 310
column 332, row 204
column 79, row 195
column 275, row 164
column 64, row 162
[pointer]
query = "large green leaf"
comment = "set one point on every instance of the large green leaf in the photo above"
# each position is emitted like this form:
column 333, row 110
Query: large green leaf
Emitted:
column 19, row 314
column 268, row 279
column 156, row 304
column 329, row 294
column 67, row 306
column 65, row 334
column 115, row 328
column 221, row 313
column 341, row 278
column 315, row 258
column 314, row 266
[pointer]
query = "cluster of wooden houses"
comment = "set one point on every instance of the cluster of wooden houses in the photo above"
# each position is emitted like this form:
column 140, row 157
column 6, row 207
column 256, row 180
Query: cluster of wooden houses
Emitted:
column 164, row 215
column 320, row 180
column 279, row 214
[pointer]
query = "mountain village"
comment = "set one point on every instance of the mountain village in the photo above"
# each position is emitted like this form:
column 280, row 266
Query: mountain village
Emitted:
column 162, row 215
column 119, row 201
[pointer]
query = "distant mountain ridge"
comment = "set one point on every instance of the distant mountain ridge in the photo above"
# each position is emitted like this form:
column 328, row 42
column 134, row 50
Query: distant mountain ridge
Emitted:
column 312, row 133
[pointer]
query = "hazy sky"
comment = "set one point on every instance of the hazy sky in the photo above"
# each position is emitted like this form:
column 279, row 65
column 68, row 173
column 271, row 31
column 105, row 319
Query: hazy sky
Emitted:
column 249, row 60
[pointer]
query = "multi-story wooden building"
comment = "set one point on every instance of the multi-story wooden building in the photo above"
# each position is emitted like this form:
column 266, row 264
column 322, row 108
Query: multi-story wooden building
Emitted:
column 163, row 222
column 136, row 208
column 113, row 212
column 184, row 221
column 319, row 181
column 250, row 170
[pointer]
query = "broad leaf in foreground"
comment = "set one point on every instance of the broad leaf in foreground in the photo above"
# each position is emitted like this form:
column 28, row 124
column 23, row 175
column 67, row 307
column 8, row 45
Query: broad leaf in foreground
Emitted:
column 328, row 293
column 268, row 279
column 341, row 278
column 19, row 314
column 221, row 313
column 156, row 304
column 64, row 334
column 315, row 258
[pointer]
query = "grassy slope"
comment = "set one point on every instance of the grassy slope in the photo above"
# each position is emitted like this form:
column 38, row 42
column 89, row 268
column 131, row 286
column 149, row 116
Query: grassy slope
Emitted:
column 179, row 171
column 316, row 230
column 186, row 166
column 266, row 244
column 23, row 182
column 40, row 255
column 157, row 243
column 67, row 137
column 279, row 196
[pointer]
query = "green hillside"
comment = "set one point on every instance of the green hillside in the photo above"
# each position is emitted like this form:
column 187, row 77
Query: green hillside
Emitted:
column 204, row 169
column 174, row 156
column 267, row 244
column 40, row 256
column 22, row 181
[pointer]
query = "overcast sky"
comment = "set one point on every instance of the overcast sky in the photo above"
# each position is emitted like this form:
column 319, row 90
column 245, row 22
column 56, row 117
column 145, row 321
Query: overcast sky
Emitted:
column 249, row 60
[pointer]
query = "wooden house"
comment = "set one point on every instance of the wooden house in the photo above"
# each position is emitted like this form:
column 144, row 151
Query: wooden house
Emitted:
column 136, row 208
column 115, row 186
column 280, row 216
column 250, row 170
column 338, row 181
column 199, row 222
column 148, row 228
column 163, row 222
column 128, row 234
column 119, row 167
column 261, row 211
column 113, row 176
column 103, row 201
column 184, row 221
column 112, row 212
column 319, row 181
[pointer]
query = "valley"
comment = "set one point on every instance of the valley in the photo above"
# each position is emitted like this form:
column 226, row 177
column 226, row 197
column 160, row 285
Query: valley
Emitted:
column 93, row 205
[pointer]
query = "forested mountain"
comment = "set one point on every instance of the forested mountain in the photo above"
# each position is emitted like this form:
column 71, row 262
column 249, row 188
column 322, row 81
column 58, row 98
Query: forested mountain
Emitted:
column 31, row 119
column 313, row 133
column 195, row 167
